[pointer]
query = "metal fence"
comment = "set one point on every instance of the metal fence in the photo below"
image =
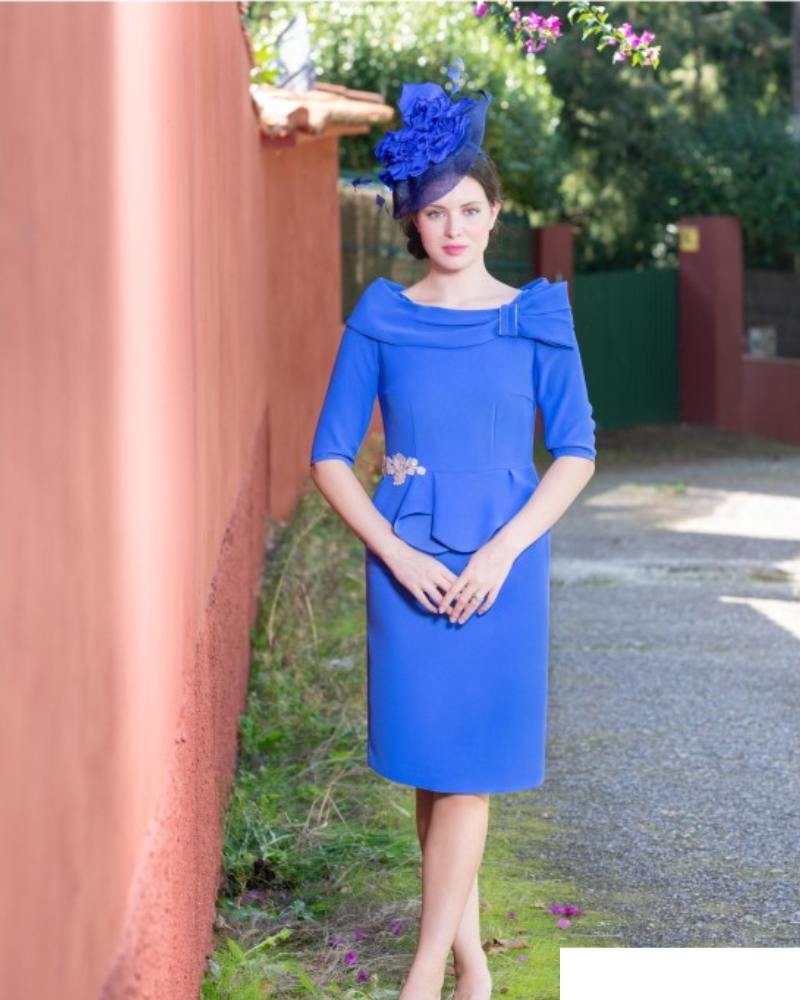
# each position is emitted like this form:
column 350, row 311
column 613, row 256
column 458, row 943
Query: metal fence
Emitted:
column 627, row 328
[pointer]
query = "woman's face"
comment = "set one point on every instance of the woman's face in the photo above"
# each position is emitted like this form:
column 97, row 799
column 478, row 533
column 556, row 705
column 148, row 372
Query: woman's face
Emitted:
column 461, row 218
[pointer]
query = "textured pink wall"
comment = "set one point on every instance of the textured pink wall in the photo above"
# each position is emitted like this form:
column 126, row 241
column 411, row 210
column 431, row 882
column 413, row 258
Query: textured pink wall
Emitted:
column 158, row 282
column 302, row 267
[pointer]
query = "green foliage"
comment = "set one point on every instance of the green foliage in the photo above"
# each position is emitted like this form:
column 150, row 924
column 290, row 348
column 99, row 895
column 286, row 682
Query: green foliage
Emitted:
column 262, row 42
column 594, row 20
column 707, row 134
column 744, row 163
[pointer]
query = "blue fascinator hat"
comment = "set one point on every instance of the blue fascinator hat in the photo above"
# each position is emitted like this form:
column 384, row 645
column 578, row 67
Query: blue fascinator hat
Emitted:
column 436, row 146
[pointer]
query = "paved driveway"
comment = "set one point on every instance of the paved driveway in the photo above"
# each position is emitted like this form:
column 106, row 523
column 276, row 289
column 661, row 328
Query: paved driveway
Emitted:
column 674, row 746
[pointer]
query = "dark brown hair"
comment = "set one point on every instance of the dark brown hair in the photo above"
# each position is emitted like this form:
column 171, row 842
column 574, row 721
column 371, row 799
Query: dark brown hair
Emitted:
column 484, row 171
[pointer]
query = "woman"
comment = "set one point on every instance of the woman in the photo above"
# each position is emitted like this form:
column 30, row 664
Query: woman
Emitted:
column 457, row 533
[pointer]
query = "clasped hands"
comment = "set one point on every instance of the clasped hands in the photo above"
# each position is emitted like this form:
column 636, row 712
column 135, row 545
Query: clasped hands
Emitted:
column 441, row 590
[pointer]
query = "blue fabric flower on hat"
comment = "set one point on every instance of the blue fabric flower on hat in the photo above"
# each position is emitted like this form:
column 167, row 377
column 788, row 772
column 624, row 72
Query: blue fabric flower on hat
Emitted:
column 435, row 127
column 436, row 146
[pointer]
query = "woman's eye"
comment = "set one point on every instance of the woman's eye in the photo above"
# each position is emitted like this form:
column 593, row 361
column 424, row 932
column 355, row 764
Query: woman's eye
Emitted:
column 470, row 211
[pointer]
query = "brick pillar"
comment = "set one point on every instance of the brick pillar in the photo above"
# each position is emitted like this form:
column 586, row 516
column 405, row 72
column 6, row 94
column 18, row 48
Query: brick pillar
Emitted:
column 711, row 321
column 552, row 252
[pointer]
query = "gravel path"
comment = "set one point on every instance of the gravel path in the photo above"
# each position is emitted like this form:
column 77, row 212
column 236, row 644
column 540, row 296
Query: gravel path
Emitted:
column 674, row 742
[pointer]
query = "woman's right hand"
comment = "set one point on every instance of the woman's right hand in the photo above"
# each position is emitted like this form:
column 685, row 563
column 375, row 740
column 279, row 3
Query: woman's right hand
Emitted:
column 420, row 573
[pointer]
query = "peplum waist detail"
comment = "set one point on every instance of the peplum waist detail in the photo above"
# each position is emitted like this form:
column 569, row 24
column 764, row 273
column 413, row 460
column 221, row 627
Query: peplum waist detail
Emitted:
column 457, row 510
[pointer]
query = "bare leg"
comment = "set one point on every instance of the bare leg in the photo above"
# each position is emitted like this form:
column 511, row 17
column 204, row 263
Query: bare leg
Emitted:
column 455, row 838
column 473, row 980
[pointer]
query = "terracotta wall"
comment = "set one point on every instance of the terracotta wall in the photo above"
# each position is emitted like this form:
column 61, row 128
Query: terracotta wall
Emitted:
column 159, row 282
column 719, row 384
column 770, row 402
column 552, row 252
column 302, row 271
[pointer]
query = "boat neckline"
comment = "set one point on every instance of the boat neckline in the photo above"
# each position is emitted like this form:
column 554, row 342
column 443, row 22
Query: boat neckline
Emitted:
column 399, row 290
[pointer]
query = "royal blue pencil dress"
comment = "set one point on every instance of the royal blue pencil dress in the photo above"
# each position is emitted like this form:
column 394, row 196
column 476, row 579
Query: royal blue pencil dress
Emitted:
column 458, row 708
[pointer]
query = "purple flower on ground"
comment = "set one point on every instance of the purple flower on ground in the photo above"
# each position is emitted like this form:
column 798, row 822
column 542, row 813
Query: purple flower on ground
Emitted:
column 351, row 958
column 358, row 935
column 564, row 924
column 566, row 911
column 512, row 915
column 396, row 927
column 363, row 975
column 522, row 958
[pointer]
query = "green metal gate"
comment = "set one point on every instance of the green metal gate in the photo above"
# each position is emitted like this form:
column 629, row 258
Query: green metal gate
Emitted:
column 627, row 328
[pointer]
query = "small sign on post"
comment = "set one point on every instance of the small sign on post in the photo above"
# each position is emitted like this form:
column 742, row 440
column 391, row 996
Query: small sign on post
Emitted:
column 689, row 239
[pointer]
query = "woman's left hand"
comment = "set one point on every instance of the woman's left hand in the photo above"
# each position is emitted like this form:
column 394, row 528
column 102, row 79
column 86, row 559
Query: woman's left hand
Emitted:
column 484, row 575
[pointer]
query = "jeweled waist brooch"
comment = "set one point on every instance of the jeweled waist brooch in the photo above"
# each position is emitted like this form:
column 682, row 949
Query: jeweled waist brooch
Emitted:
column 401, row 466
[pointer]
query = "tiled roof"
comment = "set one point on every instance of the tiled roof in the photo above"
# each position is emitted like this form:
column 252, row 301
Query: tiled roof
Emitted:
column 328, row 109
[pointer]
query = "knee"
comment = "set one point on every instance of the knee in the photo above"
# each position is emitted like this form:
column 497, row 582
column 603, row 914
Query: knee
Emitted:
column 465, row 798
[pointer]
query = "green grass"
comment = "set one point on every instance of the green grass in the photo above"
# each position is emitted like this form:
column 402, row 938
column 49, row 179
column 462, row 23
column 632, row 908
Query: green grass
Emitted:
column 679, row 487
column 320, row 854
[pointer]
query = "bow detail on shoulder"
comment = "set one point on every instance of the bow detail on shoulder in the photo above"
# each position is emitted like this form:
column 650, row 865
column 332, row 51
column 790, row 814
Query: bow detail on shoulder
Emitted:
column 541, row 311
column 542, row 314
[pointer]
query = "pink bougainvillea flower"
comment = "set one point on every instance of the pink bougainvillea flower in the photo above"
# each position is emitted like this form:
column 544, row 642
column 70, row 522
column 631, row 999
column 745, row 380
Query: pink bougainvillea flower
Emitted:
column 480, row 9
column 351, row 958
column 564, row 924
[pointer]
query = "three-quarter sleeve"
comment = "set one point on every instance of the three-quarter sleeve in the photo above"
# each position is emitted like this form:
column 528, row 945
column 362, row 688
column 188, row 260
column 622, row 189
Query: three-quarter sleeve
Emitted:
column 563, row 399
column 349, row 400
